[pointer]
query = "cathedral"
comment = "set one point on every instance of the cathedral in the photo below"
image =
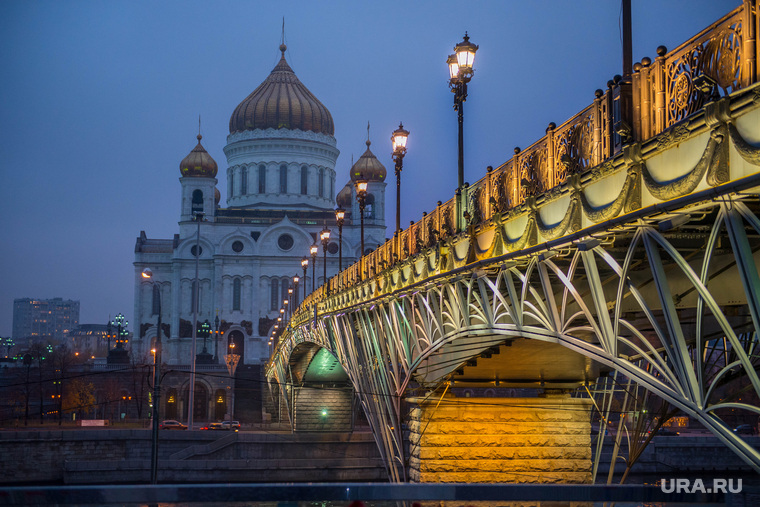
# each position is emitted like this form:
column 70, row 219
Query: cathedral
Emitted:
column 281, row 180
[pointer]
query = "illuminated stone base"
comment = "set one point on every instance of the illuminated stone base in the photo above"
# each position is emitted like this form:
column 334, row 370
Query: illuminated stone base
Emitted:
column 530, row 440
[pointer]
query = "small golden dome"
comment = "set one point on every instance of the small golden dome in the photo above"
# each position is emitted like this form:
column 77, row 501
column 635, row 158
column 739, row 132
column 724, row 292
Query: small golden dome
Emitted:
column 198, row 163
column 282, row 102
column 217, row 196
column 368, row 167
column 343, row 199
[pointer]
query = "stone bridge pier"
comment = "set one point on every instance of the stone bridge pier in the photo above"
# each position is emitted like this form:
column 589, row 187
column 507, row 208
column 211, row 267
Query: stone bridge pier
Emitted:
column 544, row 439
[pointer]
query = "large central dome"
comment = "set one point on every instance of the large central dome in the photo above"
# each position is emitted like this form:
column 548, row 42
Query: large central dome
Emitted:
column 282, row 102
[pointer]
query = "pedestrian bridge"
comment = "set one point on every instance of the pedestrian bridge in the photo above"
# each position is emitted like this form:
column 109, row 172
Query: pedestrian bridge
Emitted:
column 625, row 243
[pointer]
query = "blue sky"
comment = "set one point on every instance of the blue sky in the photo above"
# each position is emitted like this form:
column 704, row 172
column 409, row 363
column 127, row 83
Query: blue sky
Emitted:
column 99, row 102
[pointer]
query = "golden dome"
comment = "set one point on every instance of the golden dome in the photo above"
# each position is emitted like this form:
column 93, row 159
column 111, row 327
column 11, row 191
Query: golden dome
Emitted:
column 368, row 167
column 343, row 199
column 282, row 102
column 217, row 196
column 198, row 163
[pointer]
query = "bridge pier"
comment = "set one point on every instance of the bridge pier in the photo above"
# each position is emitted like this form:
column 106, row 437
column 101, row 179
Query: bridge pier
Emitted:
column 523, row 440
column 323, row 408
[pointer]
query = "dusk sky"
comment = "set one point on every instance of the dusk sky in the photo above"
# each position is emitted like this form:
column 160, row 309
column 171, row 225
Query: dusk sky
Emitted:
column 99, row 102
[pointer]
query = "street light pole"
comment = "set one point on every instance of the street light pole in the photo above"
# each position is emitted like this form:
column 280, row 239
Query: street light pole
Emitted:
column 196, row 297
column 295, row 291
column 313, row 250
column 460, row 73
column 148, row 275
column 340, row 215
column 361, row 196
column 399, row 138
column 325, row 237
column 305, row 266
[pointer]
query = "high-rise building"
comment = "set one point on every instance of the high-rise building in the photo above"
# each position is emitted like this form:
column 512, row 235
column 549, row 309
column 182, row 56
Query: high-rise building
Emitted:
column 44, row 319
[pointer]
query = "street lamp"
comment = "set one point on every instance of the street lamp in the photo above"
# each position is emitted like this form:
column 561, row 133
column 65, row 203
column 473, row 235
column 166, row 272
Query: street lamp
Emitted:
column 325, row 237
column 305, row 266
column 398, row 138
column 287, row 308
column 313, row 250
column 460, row 73
column 361, row 196
column 295, row 292
column 147, row 274
column 195, row 300
column 340, row 215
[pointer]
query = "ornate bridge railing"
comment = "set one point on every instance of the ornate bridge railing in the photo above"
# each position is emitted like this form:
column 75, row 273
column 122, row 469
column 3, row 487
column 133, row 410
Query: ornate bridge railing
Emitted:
column 643, row 206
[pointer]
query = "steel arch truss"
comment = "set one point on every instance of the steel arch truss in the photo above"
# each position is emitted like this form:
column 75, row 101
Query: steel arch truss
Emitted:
column 640, row 304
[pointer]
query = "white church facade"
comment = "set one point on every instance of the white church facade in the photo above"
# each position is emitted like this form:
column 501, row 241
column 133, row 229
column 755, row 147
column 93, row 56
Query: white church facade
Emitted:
column 281, row 177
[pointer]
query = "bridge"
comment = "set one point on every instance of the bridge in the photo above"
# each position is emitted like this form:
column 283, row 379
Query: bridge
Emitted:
column 624, row 244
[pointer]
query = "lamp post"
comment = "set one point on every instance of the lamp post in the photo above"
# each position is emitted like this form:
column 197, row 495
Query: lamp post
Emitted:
column 196, row 293
column 361, row 197
column 216, row 336
column 286, row 306
column 147, row 274
column 398, row 138
column 325, row 237
column 305, row 266
column 295, row 291
column 340, row 215
column 460, row 73
column 313, row 250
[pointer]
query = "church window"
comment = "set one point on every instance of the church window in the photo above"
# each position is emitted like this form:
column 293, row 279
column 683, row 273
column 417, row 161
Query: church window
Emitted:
column 333, row 248
column 284, row 288
column 156, row 298
column 197, row 201
column 236, row 294
column 195, row 297
column 275, row 295
column 304, row 179
column 321, row 182
column 237, row 246
column 332, row 186
column 285, row 242
column 244, row 181
column 195, row 251
column 283, row 179
column 262, row 179
column 369, row 208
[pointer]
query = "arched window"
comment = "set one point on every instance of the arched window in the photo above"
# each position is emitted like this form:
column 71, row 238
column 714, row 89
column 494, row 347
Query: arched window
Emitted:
column 262, row 179
column 321, row 182
column 236, row 294
column 304, row 179
column 274, row 295
column 369, row 208
column 283, row 179
column 285, row 285
column 231, row 183
column 195, row 297
column 332, row 186
column 156, row 299
column 244, row 181
column 197, row 201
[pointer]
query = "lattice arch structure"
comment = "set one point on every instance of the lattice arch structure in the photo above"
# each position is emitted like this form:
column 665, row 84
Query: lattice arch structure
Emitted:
column 643, row 305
